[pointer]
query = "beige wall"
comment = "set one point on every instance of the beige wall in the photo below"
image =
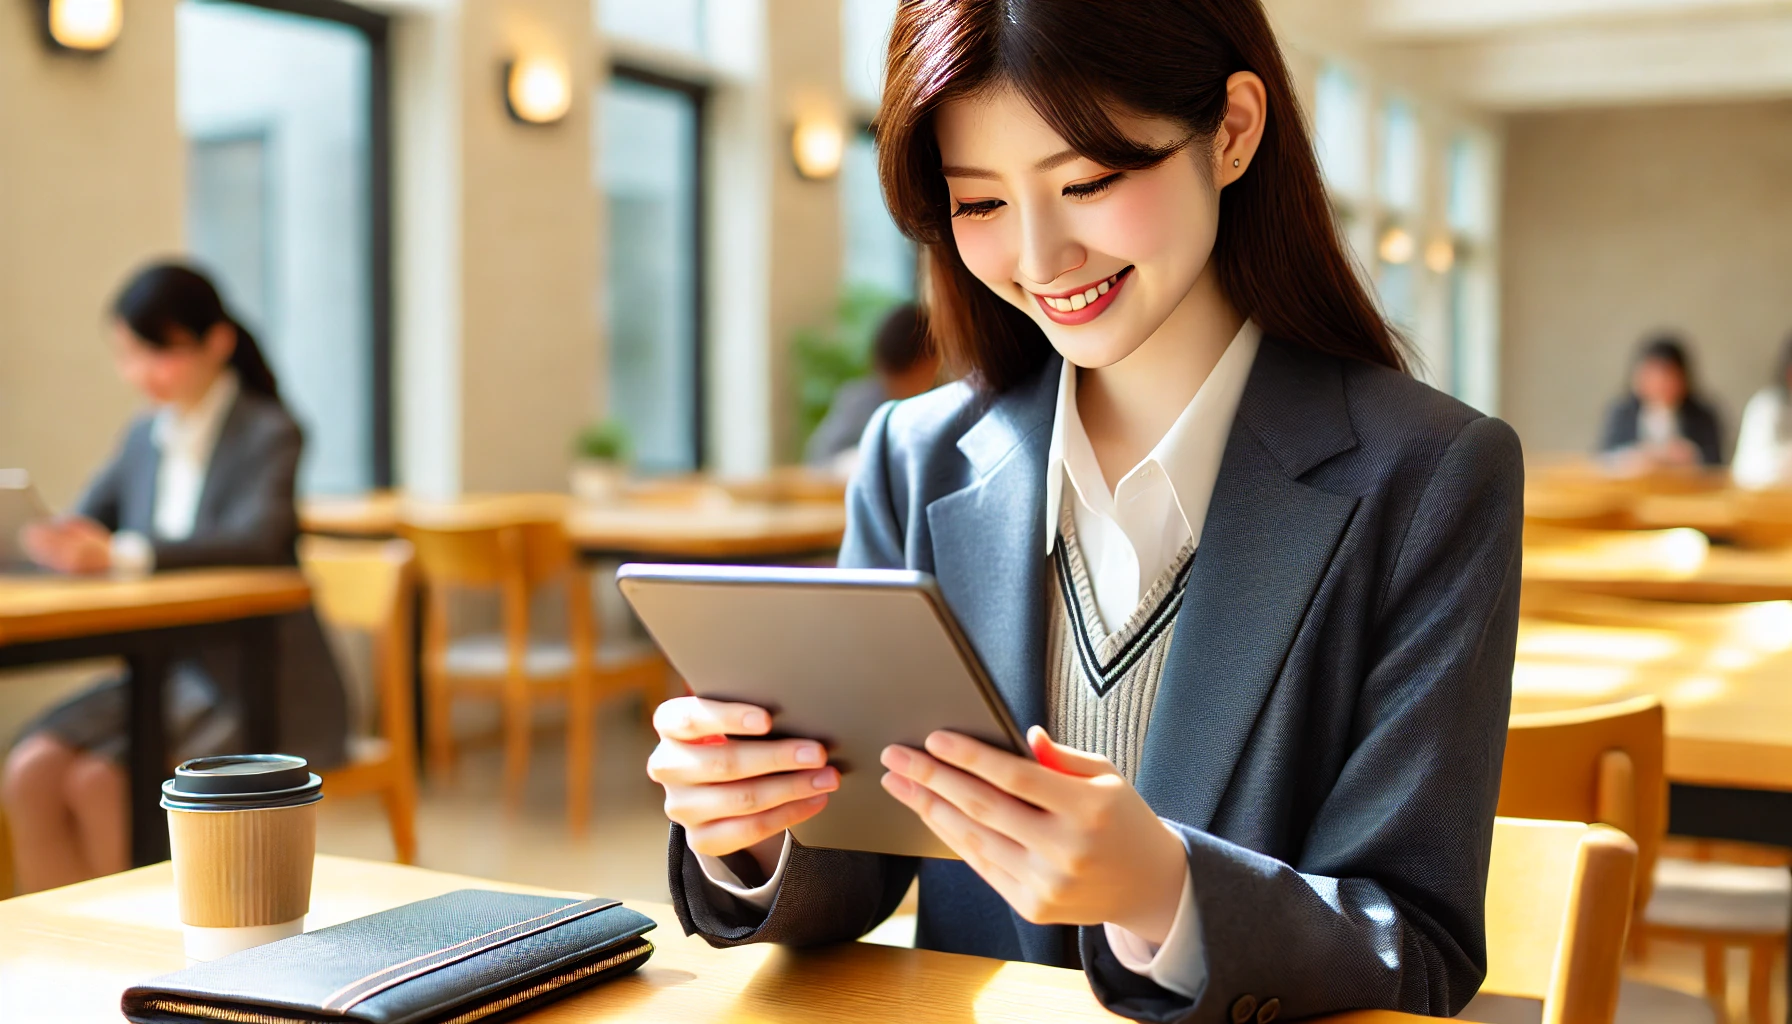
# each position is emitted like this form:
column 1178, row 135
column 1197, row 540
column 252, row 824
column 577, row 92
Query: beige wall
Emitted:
column 1617, row 222
column 529, row 331
column 803, row 57
column 90, row 186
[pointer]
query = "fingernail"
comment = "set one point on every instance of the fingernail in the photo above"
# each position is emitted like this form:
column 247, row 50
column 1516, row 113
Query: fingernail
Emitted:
column 827, row 778
column 809, row 753
column 758, row 721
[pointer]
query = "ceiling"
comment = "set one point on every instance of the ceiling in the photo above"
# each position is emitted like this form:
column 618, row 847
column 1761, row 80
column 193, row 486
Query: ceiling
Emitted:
column 1511, row 55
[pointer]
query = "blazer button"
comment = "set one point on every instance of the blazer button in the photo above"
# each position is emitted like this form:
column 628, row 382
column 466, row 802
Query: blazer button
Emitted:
column 1267, row 1012
column 1244, row 1009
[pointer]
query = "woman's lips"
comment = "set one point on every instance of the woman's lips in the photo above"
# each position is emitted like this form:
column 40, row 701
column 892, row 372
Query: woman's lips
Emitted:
column 1082, row 308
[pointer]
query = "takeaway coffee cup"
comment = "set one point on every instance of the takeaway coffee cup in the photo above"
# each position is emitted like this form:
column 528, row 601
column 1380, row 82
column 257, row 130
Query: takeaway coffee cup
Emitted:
column 243, row 832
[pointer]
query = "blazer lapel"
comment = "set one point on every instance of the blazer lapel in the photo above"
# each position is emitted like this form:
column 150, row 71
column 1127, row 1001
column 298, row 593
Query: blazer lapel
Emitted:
column 989, row 542
column 222, row 464
column 1267, row 541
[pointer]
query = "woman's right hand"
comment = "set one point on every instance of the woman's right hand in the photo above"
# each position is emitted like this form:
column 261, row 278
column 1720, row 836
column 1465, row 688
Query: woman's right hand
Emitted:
column 735, row 794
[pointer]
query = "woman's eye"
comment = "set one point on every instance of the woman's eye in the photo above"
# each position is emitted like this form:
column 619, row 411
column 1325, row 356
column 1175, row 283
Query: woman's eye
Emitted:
column 1084, row 190
column 976, row 210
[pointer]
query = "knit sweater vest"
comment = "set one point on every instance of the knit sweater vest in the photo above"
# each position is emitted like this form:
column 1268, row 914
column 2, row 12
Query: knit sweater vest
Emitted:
column 1100, row 686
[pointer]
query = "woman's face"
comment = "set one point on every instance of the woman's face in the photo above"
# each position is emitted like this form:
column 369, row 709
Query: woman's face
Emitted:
column 1098, row 258
column 1659, row 382
column 179, row 374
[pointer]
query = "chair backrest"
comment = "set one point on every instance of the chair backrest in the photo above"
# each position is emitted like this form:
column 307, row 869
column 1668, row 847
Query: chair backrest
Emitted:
column 514, row 555
column 368, row 585
column 1558, row 905
column 1602, row 764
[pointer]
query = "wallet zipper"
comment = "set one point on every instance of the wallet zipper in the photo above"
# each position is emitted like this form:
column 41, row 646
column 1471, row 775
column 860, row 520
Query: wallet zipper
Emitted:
column 233, row 1016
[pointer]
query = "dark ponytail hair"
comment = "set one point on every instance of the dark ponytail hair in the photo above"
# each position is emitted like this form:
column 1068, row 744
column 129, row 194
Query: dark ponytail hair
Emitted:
column 164, row 296
column 1278, row 255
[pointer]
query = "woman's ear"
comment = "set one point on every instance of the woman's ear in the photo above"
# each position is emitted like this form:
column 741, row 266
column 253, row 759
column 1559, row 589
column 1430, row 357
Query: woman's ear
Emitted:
column 1247, row 111
column 220, row 341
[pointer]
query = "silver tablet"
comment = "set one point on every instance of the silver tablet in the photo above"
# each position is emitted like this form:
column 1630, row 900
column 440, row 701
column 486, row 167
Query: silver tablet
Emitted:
column 19, row 506
column 856, row 658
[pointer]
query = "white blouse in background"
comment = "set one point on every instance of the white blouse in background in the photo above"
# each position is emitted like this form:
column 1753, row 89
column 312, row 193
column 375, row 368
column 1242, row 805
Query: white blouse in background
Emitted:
column 184, row 439
column 1764, row 442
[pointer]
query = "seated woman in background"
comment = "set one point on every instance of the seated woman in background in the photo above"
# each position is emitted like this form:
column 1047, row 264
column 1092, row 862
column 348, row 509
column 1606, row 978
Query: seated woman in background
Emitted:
column 903, row 365
column 1764, row 445
column 1661, row 423
column 204, row 479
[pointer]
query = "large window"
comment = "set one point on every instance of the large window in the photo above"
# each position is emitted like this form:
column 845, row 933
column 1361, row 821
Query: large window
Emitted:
column 649, row 160
column 1398, row 178
column 876, row 254
column 284, row 118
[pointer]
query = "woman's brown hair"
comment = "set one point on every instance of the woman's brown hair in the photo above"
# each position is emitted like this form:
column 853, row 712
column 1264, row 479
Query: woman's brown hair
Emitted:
column 1278, row 256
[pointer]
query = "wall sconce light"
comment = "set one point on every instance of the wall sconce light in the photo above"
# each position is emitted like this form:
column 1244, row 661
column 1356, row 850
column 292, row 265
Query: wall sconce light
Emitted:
column 817, row 143
column 82, row 26
column 537, row 90
column 1396, row 246
column 1440, row 255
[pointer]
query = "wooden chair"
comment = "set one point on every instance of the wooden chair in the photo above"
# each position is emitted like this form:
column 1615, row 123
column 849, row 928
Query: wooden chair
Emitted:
column 517, row 559
column 368, row 585
column 1558, row 903
column 1605, row 764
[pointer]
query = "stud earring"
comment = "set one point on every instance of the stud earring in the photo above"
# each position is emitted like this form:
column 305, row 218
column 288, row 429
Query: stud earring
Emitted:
column 1235, row 162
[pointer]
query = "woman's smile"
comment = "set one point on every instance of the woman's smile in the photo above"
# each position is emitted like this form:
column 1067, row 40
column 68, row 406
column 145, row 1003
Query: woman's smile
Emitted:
column 1082, row 305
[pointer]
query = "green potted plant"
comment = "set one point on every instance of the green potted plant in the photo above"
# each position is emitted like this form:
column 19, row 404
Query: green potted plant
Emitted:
column 600, row 461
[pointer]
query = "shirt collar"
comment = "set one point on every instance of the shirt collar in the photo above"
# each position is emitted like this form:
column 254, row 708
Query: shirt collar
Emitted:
column 195, row 430
column 1188, row 454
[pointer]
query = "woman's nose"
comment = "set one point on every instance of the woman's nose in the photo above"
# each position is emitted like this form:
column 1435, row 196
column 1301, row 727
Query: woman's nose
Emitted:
column 1047, row 252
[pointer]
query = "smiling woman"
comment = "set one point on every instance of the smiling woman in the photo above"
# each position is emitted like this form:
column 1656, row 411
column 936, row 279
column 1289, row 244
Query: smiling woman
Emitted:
column 1250, row 588
column 1145, row 92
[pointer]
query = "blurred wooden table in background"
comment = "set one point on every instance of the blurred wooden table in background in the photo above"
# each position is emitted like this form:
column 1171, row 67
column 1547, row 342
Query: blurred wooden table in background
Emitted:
column 151, row 623
column 786, row 515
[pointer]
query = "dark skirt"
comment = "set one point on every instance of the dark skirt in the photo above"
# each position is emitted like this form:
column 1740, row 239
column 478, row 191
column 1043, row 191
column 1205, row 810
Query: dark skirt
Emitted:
column 196, row 721
column 202, row 712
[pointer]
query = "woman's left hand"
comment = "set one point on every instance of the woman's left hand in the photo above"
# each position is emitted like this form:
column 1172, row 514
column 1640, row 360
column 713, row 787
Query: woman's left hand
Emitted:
column 76, row 545
column 1065, row 839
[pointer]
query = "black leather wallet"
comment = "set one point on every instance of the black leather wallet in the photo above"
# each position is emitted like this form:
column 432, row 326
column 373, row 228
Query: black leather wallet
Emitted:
column 471, row 955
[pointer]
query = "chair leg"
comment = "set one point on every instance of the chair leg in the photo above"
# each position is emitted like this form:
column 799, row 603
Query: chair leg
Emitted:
column 1761, row 958
column 438, row 735
column 516, row 741
column 579, row 744
column 1717, row 979
column 400, row 798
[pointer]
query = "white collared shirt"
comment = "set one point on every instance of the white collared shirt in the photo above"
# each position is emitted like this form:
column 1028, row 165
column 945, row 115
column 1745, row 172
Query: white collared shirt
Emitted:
column 184, row 439
column 1128, row 537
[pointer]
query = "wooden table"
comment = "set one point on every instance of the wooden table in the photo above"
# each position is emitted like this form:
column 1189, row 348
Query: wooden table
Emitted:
column 1723, row 674
column 68, row 954
column 711, row 524
column 151, row 623
column 1663, row 565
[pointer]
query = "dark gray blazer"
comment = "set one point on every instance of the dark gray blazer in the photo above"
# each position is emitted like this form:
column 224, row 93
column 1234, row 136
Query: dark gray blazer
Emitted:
column 246, row 516
column 1328, row 732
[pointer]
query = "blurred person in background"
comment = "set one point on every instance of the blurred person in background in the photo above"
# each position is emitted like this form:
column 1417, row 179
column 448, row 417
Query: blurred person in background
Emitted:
column 1662, row 422
column 903, row 365
column 205, row 478
column 1764, row 444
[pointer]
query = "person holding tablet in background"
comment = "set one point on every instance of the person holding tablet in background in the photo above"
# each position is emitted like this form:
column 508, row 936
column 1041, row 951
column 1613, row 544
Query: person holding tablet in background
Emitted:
column 1251, row 588
column 205, row 479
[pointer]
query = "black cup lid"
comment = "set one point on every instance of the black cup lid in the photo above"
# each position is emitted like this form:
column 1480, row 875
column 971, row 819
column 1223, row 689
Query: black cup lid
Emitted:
column 241, row 782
